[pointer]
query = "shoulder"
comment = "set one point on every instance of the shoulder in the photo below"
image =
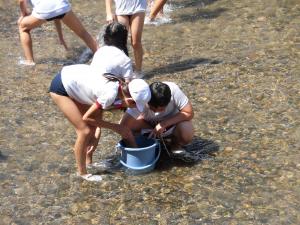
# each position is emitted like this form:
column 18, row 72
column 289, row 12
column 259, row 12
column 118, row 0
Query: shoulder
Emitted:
column 173, row 86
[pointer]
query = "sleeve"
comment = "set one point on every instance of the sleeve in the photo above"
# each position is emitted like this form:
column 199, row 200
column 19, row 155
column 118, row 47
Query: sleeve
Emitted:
column 127, row 70
column 180, row 99
column 108, row 95
column 133, row 112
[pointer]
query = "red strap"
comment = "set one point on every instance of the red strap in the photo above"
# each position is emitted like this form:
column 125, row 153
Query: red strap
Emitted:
column 99, row 106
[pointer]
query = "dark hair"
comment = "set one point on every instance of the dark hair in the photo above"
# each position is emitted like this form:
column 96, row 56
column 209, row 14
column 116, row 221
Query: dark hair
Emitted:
column 116, row 34
column 160, row 94
column 123, row 84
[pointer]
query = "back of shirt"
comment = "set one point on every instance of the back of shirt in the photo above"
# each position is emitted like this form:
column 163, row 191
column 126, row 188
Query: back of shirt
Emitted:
column 110, row 59
column 85, row 85
column 178, row 101
column 130, row 7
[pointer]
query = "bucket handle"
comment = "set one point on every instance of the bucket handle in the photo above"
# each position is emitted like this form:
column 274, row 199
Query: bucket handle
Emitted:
column 119, row 148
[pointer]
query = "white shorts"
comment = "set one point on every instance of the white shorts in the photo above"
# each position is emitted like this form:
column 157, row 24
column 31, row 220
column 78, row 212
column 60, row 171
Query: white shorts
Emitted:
column 130, row 7
column 48, row 9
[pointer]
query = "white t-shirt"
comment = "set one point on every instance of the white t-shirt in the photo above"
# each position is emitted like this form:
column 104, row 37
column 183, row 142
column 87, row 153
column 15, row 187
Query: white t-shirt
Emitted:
column 46, row 9
column 110, row 59
column 130, row 7
column 87, row 86
column 178, row 101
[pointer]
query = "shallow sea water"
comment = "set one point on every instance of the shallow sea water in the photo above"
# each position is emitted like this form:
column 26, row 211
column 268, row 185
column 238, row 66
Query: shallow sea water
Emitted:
column 238, row 61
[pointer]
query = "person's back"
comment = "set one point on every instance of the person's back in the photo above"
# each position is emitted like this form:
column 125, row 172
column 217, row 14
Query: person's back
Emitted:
column 84, row 84
column 110, row 59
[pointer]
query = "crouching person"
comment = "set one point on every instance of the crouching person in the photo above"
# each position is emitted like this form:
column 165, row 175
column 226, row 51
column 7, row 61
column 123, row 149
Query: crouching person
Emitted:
column 168, row 114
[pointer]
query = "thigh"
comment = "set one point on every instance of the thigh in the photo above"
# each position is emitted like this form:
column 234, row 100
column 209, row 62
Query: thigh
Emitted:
column 30, row 22
column 124, row 20
column 71, row 21
column 136, row 26
column 184, row 130
column 72, row 111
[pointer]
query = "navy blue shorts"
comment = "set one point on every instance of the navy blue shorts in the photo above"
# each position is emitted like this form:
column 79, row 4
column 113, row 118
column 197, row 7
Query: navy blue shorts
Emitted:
column 56, row 17
column 57, row 86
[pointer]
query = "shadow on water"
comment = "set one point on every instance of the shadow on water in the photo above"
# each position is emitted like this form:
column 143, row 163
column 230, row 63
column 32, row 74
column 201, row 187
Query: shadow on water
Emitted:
column 199, row 149
column 180, row 66
column 2, row 157
column 81, row 55
column 201, row 14
column 197, row 3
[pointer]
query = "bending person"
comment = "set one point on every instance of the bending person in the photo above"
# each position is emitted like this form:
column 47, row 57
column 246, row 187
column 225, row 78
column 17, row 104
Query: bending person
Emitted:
column 82, row 94
column 48, row 10
column 168, row 113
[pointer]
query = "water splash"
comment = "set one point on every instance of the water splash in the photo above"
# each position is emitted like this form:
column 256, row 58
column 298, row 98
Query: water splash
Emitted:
column 24, row 62
column 161, row 18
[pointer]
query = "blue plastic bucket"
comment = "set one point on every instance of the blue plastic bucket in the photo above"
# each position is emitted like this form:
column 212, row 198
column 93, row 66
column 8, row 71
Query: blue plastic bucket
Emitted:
column 141, row 159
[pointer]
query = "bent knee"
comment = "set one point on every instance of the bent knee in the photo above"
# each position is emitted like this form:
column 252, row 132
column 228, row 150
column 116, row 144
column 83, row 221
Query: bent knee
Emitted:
column 84, row 131
column 185, row 132
column 186, row 139
column 23, row 26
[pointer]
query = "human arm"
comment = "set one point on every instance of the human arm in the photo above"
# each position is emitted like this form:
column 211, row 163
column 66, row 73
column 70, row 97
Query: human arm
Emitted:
column 185, row 114
column 109, row 11
column 60, row 34
column 23, row 8
column 93, row 116
column 156, row 8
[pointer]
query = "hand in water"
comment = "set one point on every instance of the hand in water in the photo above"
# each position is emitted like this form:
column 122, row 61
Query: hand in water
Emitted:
column 157, row 131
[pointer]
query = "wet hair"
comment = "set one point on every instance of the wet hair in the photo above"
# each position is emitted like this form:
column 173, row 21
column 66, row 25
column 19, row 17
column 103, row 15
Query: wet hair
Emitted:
column 116, row 34
column 160, row 94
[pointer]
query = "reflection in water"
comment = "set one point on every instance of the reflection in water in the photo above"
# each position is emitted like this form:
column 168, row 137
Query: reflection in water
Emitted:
column 238, row 63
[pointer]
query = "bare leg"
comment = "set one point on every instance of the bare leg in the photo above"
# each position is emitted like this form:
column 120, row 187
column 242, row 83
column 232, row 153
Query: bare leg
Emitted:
column 157, row 7
column 93, row 145
column 75, row 25
column 72, row 111
column 25, row 25
column 57, row 24
column 183, row 134
column 95, row 135
column 136, row 27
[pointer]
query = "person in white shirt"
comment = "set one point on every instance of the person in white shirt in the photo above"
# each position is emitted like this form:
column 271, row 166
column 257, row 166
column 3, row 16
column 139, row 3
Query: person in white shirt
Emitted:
column 112, row 56
column 48, row 10
column 82, row 94
column 168, row 113
column 132, row 14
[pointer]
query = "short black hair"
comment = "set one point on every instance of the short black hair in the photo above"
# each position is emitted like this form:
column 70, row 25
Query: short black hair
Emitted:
column 116, row 34
column 160, row 94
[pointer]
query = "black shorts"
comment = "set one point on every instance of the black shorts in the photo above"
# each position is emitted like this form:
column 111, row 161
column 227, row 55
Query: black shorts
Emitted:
column 56, row 17
column 57, row 86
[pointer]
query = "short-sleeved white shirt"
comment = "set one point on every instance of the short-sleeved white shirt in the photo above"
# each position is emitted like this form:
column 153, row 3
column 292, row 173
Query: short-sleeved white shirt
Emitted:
column 44, row 9
column 87, row 86
column 178, row 101
column 110, row 59
column 130, row 7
